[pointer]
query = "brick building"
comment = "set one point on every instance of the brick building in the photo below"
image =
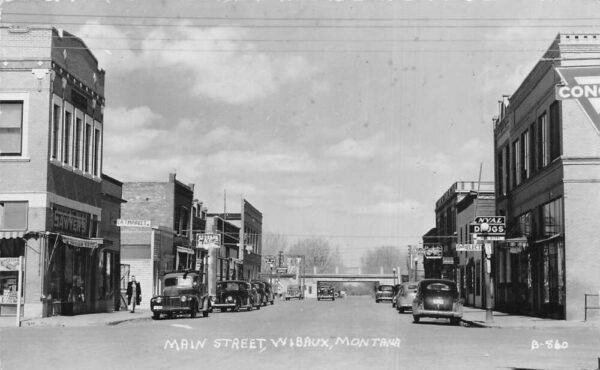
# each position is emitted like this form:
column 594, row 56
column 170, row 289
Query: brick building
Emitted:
column 547, row 165
column 51, row 184
column 166, row 242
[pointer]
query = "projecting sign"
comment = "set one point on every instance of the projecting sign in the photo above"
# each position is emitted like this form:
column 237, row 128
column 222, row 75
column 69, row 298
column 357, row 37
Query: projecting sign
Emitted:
column 468, row 247
column 433, row 251
column 496, row 230
column 209, row 240
column 491, row 220
column 583, row 85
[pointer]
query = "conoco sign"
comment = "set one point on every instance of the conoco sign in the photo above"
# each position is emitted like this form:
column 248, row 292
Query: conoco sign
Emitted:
column 583, row 85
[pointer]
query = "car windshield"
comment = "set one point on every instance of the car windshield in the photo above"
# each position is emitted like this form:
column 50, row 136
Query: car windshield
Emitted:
column 386, row 288
column 179, row 281
column 229, row 286
column 439, row 287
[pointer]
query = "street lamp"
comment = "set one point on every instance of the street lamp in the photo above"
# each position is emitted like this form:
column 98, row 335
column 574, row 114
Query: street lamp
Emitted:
column 487, row 251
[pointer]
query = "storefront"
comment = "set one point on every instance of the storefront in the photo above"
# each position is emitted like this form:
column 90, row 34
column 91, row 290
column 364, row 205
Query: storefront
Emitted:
column 13, row 225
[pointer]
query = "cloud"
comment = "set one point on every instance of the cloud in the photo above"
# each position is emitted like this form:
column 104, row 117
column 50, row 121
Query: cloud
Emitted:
column 219, row 67
column 355, row 149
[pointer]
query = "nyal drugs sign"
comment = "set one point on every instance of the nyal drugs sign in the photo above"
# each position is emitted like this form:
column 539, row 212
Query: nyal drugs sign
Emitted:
column 583, row 85
column 497, row 225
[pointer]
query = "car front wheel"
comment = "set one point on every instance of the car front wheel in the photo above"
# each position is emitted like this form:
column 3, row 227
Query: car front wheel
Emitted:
column 194, row 311
column 155, row 316
column 416, row 318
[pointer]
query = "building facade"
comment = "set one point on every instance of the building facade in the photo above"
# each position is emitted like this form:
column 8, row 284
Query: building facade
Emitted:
column 160, row 221
column 470, row 272
column 449, row 220
column 51, row 185
column 547, row 165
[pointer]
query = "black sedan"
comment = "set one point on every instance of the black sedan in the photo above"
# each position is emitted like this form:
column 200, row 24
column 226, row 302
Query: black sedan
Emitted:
column 235, row 295
column 437, row 298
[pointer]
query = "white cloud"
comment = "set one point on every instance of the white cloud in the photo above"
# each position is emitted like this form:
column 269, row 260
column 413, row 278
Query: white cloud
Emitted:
column 355, row 149
column 221, row 68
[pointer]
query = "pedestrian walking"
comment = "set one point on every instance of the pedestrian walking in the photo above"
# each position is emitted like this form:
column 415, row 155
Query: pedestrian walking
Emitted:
column 134, row 293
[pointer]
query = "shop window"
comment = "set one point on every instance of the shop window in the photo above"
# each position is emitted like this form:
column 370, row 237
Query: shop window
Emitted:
column 478, row 278
column 11, row 128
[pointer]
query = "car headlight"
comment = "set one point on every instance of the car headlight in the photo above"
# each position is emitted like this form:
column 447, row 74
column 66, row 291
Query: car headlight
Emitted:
column 213, row 299
column 183, row 298
column 229, row 299
column 158, row 300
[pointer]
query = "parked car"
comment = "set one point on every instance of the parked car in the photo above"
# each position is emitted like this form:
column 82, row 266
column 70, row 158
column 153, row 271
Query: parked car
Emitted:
column 235, row 295
column 437, row 298
column 384, row 293
column 294, row 291
column 395, row 294
column 405, row 296
column 325, row 292
column 183, row 293
column 260, row 289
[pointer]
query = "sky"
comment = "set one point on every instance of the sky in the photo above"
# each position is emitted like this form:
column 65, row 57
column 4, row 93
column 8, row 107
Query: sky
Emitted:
column 337, row 119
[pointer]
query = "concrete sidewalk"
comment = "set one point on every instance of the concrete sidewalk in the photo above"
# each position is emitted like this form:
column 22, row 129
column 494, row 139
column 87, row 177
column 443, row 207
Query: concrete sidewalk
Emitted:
column 92, row 319
column 476, row 317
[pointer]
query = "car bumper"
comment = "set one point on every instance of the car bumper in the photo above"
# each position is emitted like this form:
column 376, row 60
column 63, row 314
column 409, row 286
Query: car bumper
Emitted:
column 222, row 305
column 384, row 298
column 441, row 314
column 326, row 296
column 169, row 309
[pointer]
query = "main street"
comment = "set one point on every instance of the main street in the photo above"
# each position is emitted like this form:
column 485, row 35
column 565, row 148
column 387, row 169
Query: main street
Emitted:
column 349, row 333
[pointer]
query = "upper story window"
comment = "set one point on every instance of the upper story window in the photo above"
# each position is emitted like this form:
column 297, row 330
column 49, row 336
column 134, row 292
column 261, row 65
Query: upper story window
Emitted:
column 555, row 131
column 11, row 128
column 516, row 163
column 76, row 138
column 525, row 155
column 543, row 141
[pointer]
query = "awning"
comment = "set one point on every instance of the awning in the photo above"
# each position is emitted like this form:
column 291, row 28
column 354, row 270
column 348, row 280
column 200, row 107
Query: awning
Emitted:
column 81, row 243
column 11, row 234
column 185, row 250
column 548, row 239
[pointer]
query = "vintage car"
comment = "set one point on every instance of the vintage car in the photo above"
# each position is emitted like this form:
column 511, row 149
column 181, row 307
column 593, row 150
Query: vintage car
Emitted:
column 294, row 291
column 183, row 293
column 325, row 292
column 405, row 296
column 437, row 298
column 384, row 293
column 267, row 291
column 235, row 295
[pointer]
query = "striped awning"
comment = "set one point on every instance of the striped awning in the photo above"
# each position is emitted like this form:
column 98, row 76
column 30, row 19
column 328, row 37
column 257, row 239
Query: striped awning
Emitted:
column 11, row 234
column 81, row 243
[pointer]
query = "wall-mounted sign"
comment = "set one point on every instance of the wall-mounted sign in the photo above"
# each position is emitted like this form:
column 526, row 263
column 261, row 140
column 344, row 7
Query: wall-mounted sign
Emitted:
column 468, row 247
column 70, row 221
column 9, row 264
column 448, row 260
column 583, row 85
column 134, row 223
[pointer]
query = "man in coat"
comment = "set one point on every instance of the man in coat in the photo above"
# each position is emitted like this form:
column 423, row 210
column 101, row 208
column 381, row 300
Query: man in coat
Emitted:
column 133, row 291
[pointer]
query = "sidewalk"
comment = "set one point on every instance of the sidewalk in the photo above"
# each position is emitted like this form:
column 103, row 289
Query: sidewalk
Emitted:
column 92, row 319
column 476, row 317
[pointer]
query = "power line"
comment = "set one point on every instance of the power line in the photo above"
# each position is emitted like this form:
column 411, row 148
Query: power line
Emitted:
column 321, row 26
column 328, row 19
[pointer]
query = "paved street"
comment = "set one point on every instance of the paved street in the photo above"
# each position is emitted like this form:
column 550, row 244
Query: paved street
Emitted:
column 350, row 333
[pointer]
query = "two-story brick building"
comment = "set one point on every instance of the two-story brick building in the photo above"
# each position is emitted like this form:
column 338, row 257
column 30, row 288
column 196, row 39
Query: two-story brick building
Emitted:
column 51, row 185
column 547, row 165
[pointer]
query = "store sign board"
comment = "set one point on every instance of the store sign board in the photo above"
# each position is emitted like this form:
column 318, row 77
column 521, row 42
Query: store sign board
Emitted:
column 583, row 85
column 70, row 221
column 468, row 247
column 133, row 223
column 433, row 251
column 9, row 264
column 209, row 240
